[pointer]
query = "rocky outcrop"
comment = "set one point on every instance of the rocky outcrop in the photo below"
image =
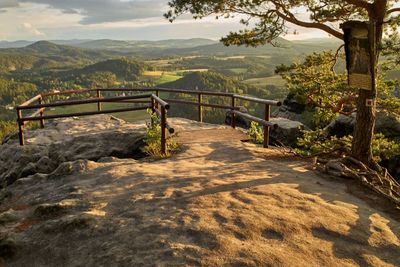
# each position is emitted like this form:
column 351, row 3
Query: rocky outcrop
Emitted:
column 219, row 202
column 284, row 112
column 239, row 121
column 69, row 140
column 341, row 126
column 288, row 131
column 388, row 124
column 291, row 109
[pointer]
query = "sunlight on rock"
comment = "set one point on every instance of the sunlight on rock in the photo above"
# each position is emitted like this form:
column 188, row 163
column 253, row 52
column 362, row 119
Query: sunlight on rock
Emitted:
column 381, row 232
column 97, row 209
column 96, row 212
column 300, row 169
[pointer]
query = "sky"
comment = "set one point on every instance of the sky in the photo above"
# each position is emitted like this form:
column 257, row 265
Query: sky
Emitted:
column 110, row 19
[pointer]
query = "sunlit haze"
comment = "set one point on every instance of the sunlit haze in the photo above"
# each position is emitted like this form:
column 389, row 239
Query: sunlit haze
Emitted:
column 111, row 19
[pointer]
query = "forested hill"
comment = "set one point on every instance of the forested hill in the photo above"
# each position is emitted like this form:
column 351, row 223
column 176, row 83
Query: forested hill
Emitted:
column 46, row 55
column 122, row 68
column 211, row 81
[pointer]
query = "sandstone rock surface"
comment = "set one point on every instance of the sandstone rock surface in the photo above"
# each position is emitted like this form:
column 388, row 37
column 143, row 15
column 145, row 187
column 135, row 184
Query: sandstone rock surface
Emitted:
column 218, row 202
column 68, row 140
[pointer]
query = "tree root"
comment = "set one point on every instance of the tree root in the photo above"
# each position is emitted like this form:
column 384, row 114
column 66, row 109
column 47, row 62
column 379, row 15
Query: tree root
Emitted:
column 377, row 179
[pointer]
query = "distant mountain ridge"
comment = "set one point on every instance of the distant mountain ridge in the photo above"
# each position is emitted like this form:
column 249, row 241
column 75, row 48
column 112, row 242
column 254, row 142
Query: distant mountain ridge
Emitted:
column 78, row 53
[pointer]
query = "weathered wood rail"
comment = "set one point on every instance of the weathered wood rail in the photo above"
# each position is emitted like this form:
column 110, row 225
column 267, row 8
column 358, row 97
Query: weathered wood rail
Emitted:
column 149, row 99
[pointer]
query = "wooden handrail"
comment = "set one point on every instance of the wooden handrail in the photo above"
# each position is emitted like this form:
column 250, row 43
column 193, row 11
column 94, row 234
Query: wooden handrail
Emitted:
column 158, row 105
column 255, row 119
column 83, row 101
column 160, row 101
column 47, row 117
column 259, row 100
column 30, row 101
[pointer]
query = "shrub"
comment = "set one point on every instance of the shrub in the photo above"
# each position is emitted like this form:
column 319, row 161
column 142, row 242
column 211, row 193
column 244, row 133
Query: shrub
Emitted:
column 153, row 139
column 315, row 143
column 255, row 133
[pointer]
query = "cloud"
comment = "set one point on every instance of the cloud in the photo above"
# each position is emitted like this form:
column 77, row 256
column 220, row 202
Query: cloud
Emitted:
column 30, row 29
column 100, row 11
column 7, row 4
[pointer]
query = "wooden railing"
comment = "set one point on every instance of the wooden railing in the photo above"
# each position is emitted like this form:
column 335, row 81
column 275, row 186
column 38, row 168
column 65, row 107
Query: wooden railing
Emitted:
column 154, row 102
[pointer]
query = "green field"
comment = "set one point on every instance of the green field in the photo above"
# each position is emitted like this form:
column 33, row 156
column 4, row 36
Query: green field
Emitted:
column 160, row 77
column 238, row 70
column 262, row 82
column 130, row 116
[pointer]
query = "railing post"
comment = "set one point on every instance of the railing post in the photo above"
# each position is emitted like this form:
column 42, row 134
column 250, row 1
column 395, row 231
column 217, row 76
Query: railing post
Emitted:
column 200, row 110
column 233, row 121
column 163, row 133
column 20, row 127
column 158, row 95
column 98, row 103
column 153, row 109
column 41, row 113
column 266, row 128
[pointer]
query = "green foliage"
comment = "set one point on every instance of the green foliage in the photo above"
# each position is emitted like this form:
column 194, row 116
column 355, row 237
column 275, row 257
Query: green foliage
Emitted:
column 7, row 127
column 12, row 92
column 314, row 83
column 315, row 143
column 122, row 68
column 256, row 133
column 210, row 81
column 153, row 139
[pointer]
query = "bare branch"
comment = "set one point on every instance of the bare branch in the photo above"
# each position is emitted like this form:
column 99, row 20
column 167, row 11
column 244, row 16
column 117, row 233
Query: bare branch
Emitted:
column 393, row 10
column 292, row 19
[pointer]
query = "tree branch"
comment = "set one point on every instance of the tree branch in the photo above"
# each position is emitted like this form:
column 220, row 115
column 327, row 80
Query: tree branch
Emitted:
column 292, row 19
column 360, row 3
column 390, row 11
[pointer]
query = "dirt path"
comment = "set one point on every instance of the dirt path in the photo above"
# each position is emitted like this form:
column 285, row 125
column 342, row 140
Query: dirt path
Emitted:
column 219, row 202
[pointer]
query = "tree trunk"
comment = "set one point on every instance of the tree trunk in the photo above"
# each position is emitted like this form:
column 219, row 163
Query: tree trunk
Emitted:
column 366, row 113
column 363, row 132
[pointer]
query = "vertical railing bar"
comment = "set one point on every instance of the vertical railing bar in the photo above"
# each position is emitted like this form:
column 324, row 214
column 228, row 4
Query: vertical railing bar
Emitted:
column 163, row 133
column 20, row 127
column 233, row 120
column 200, row 109
column 153, row 109
column 41, row 113
column 98, row 103
column 158, row 95
column 266, row 128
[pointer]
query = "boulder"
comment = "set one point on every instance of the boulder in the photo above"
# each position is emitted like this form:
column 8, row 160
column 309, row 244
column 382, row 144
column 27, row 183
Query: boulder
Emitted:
column 293, row 105
column 284, row 112
column 240, row 122
column 288, row 131
column 388, row 124
column 341, row 126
